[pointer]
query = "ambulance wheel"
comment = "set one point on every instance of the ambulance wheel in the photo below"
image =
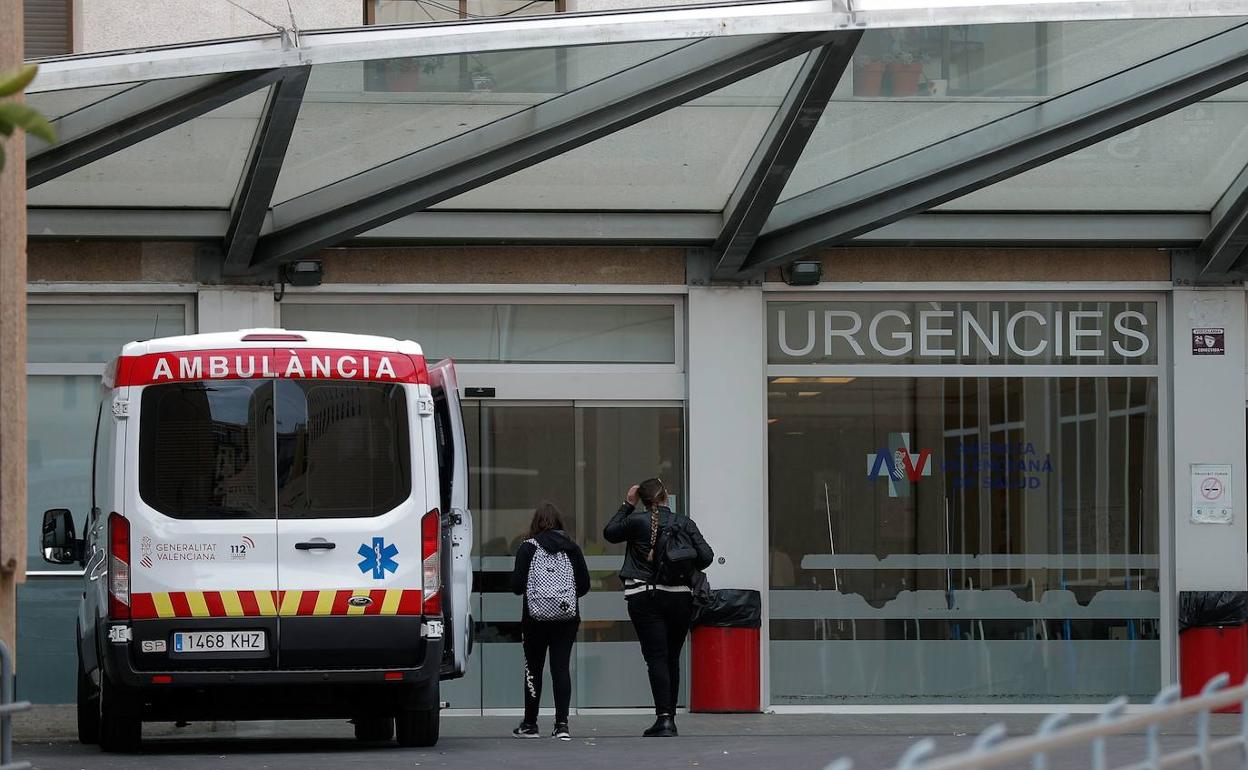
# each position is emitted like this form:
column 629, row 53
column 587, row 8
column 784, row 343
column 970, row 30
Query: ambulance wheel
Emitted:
column 374, row 729
column 121, row 730
column 417, row 724
column 88, row 708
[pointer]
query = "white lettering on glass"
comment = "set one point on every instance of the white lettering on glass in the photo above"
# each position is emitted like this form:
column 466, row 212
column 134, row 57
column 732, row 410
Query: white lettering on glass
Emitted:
column 782, row 335
column 906, row 338
column 847, row 334
column 1120, row 326
column 991, row 343
column 927, row 332
column 1077, row 333
column 1012, row 339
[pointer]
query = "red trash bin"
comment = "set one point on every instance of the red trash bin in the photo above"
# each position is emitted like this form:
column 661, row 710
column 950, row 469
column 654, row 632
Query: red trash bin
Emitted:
column 724, row 675
column 1206, row 652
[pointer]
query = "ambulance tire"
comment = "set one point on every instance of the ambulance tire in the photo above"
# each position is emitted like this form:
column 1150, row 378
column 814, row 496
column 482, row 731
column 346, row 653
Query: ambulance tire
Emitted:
column 417, row 724
column 374, row 729
column 88, row 709
column 121, row 729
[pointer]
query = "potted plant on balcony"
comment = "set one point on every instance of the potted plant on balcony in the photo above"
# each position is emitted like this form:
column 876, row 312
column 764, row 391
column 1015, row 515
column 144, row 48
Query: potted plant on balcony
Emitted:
column 868, row 76
column 904, row 72
column 482, row 78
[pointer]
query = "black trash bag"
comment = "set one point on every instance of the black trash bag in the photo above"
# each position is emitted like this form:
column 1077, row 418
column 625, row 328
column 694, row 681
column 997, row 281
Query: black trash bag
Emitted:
column 731, row 608
column 1212, row 608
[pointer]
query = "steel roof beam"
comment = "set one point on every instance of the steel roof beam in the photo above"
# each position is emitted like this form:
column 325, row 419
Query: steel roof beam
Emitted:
column 778, row 153
column 127, row 118
column 264, row 166
column 593, row 28
column 916, row 182
column 339, row 211
column 1223, row 249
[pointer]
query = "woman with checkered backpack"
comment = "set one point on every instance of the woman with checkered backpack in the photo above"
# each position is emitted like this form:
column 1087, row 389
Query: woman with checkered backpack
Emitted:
column 550, row 573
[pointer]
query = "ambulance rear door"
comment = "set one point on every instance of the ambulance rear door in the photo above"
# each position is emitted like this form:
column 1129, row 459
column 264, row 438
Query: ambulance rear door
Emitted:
column 199, row 531
column 452, row 451
column 354, row 521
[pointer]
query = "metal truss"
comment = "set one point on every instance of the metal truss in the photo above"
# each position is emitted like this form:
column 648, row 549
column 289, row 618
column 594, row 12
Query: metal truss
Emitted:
column 344, row 209
column 127, row 118
column 916, row 182
column 778, row 153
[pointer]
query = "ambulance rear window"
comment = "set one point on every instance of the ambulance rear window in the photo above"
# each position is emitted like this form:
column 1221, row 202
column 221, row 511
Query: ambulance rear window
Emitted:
column 206, row 449
column 342, row 449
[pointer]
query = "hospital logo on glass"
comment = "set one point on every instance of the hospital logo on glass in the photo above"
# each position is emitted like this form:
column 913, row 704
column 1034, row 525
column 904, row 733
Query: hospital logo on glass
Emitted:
column 899, row 465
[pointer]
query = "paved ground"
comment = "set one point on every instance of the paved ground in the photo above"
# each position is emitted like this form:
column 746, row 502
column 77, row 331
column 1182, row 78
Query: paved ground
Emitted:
column 755, row 742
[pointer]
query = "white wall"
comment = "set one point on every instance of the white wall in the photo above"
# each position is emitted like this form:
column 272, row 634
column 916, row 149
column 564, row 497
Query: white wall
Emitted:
column 728, row 431
column 106, row 25
column 227, row 310
column 1209, row 396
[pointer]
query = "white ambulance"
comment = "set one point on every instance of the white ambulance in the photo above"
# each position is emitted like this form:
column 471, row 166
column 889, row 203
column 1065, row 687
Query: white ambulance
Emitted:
column 279, row 529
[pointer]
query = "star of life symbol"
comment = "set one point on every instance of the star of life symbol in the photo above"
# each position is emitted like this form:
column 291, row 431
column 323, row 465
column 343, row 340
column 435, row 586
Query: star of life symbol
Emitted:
column 899, row 465
column 378, row 558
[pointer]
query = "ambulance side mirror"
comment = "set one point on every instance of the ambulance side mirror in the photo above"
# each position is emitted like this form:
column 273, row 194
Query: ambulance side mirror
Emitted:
column 60, row 540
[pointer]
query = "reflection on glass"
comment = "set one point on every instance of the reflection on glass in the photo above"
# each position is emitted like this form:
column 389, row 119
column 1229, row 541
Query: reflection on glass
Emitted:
column 688, row 158
column 487, row 333
column 60, row 436
column 910, row 88
column 582, row 459
column 986, row 538
column 406, row 104
column 196, row 164
column 95, row 333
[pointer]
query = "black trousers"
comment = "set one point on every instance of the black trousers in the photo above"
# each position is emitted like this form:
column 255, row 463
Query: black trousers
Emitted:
column 662, row 620
column 557, row 637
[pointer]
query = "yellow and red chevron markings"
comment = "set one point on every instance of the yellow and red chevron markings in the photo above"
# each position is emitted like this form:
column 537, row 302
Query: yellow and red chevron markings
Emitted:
column 268, row 604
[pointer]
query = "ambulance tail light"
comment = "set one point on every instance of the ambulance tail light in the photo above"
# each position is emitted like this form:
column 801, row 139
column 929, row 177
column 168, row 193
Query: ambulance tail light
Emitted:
column 431, row 562
column 118, row 567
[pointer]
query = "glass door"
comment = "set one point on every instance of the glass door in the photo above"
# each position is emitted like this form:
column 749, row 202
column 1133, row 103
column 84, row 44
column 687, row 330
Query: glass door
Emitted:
column 581, row 456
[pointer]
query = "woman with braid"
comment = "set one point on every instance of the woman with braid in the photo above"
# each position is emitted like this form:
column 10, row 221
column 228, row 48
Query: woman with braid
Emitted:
column 660, row 613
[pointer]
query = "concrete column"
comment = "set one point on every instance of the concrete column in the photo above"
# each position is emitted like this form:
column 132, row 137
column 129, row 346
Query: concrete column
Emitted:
column 12, row 344
column 1209, row 397
column 727, row 414
column 229, row 309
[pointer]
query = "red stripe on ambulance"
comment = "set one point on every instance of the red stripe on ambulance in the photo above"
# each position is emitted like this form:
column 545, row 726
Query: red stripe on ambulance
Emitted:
column 268, row 363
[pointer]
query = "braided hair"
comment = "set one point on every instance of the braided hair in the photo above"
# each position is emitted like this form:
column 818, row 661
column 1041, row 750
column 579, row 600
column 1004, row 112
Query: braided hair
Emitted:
column 652, row 492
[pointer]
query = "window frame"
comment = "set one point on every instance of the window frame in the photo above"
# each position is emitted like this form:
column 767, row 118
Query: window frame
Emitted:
column 40, row 294
column 919, row 292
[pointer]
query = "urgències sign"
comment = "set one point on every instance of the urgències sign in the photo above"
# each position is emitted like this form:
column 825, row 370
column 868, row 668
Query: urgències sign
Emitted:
column 1122, row 333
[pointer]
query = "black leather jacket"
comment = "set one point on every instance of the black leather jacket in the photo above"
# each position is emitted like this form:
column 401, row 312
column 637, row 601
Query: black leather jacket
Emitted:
column 633, row 527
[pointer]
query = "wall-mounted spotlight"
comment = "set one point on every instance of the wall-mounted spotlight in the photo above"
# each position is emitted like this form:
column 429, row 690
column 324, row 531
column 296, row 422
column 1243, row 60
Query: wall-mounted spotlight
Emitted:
column 306, row 272
column 803, row 273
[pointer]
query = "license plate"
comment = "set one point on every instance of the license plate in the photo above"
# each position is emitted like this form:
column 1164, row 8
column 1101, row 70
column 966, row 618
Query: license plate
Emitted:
column 218, row 641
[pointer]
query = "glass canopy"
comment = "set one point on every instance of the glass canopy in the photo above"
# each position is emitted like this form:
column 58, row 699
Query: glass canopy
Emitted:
column 805, row 124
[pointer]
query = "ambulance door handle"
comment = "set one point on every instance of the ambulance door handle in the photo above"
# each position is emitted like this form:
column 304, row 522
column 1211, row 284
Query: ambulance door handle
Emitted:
column 316, row 544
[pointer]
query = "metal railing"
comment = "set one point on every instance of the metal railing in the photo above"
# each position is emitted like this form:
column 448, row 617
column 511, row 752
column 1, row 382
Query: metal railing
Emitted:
column 7, row 709
column 991, row 749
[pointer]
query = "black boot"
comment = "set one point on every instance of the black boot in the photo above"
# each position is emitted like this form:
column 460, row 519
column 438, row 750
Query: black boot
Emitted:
column 664, row 727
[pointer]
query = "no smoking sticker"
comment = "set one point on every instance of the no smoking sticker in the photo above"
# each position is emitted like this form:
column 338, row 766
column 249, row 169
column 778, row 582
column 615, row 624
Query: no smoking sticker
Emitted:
column 1211, row 494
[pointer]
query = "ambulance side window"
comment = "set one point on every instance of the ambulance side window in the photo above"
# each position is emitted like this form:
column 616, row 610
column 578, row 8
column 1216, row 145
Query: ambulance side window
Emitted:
column 102, row 462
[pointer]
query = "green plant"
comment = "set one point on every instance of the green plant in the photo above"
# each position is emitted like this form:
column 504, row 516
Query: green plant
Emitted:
column 15, row 115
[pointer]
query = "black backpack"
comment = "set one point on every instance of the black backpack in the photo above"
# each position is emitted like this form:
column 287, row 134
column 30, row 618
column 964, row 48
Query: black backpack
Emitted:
column 675, row 557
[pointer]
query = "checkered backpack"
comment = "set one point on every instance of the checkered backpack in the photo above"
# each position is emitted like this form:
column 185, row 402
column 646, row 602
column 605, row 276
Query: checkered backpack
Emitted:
column 551, row 590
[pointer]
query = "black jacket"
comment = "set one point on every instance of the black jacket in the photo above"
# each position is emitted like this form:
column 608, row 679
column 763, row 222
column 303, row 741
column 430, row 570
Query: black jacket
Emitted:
column 551, row 541
column 633, row 527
